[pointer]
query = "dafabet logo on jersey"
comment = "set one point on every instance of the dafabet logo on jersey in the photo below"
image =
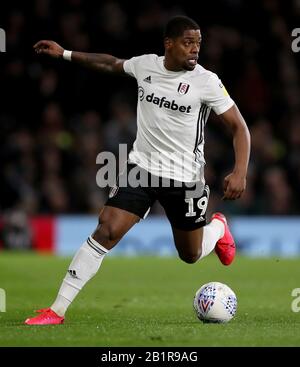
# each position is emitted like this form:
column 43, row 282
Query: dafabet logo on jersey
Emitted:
column 162, row 102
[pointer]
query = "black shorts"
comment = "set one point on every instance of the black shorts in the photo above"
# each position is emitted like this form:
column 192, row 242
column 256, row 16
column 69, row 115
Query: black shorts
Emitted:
column 185, row 206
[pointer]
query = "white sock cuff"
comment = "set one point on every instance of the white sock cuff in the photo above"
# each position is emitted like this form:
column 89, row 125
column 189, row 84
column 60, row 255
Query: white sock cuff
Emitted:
column 218, row 225
column 96, row 246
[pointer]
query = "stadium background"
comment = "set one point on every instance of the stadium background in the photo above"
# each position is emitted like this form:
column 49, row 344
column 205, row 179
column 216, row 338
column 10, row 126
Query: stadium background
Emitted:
column 55, row 117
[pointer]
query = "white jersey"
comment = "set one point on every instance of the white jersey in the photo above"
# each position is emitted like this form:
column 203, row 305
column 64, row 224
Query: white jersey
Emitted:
column 172, row 111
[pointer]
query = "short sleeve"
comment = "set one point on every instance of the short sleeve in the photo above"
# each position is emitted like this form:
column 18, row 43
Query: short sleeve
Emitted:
column 216, row 95
column 130, row 66
column 136, row 65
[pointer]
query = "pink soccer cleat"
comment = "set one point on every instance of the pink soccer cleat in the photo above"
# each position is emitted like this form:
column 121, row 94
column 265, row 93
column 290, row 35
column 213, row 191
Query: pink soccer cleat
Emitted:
column 225, row 247
column 46, row 317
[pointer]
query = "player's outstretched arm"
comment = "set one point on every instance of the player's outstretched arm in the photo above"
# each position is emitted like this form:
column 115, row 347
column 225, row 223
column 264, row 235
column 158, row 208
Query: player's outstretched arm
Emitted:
column 100, row 62
column 235, row 182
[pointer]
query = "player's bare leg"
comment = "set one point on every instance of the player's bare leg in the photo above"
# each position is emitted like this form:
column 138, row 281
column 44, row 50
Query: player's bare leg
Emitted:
column 113, row 224
column 196, row 244
column 188, row 244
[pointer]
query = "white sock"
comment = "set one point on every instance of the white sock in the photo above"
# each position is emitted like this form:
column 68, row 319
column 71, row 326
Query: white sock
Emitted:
column 212, row 232
column 83, row 267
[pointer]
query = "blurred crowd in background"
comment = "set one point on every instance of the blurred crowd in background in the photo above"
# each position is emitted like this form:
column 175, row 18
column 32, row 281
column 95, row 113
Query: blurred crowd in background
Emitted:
column 56, row 116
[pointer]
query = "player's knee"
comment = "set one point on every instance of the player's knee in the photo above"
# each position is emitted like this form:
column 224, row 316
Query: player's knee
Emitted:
column 107, row 233
column 114, row 233
column 190, row 257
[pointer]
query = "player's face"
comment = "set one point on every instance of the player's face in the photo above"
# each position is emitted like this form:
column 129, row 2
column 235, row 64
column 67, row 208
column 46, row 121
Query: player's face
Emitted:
column 183, row 51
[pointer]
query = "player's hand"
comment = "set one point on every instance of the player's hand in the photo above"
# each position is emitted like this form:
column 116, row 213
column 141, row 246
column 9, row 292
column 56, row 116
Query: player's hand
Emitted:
column 234, row 185
column 50, row 48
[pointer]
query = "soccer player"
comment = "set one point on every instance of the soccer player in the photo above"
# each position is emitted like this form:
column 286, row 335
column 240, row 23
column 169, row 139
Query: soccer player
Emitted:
column 176, row 95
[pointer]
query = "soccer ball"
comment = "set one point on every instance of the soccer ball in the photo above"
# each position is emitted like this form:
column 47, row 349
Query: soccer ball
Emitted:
column 215, row 302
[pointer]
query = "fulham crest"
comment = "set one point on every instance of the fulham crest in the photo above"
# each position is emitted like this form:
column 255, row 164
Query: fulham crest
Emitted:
column 183, row 88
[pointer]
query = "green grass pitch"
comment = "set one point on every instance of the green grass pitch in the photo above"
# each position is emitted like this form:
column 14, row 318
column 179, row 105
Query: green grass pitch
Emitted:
column 148, row 302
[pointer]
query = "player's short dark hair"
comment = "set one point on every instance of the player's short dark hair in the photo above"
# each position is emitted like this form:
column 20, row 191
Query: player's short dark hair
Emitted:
column 177, row 25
